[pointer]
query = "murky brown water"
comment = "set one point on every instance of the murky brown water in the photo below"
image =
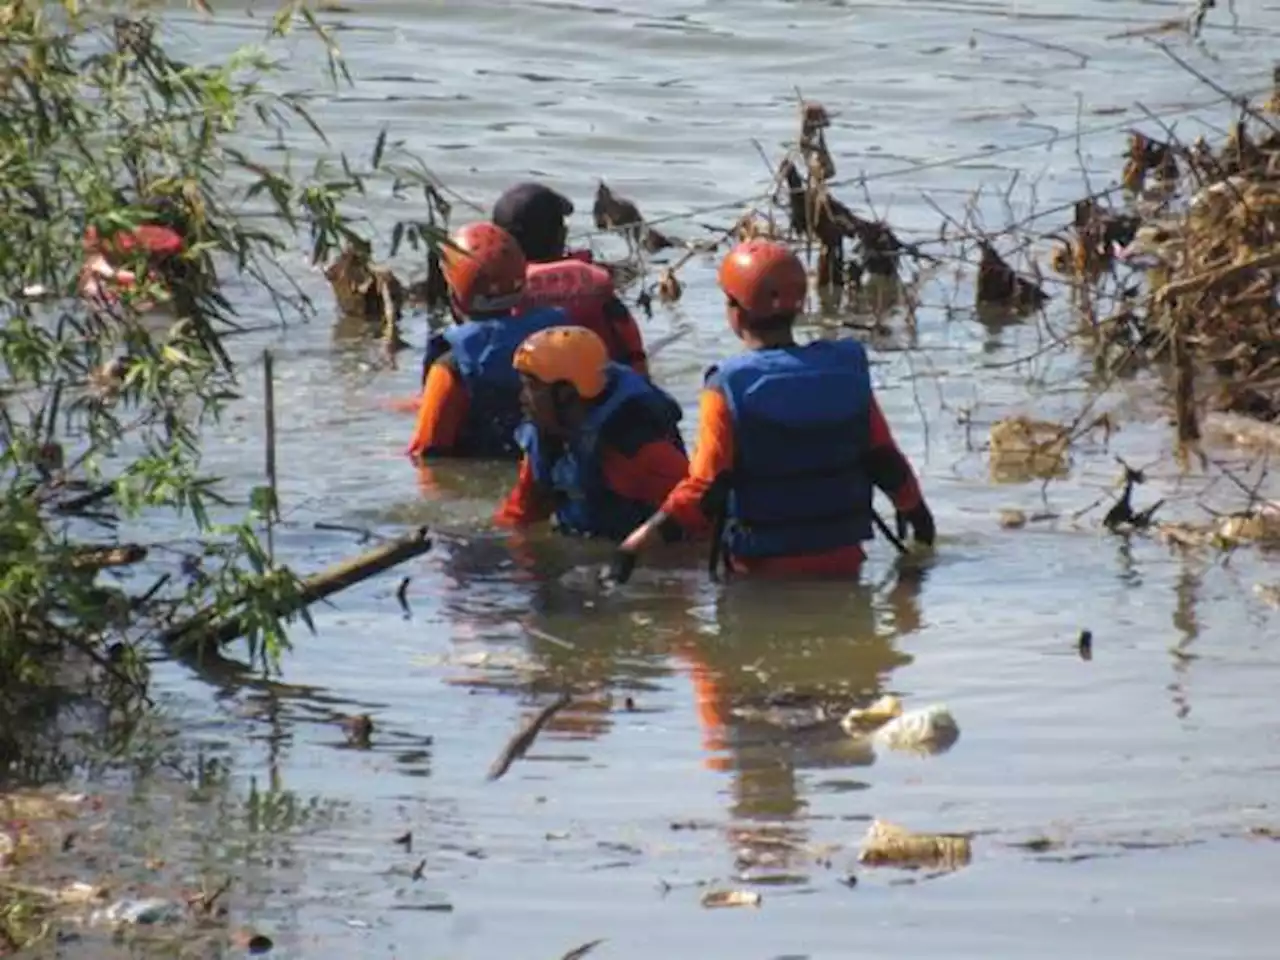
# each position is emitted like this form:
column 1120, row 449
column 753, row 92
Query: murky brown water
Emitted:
column 1149, row 763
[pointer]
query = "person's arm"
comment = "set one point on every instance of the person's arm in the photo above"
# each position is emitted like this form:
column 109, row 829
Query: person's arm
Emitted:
column 649, row 475
column 525, row 504
column 888, row 467
column 890, row 471
column 625, row 332
column 712, row 456
column 441, row 412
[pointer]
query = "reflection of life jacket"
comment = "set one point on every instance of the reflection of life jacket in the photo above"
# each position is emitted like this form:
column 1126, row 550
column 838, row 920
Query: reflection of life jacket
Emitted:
column 802, row 424
column 481, row 352
column 573, row 472
column 102, row 279
column 581, row 289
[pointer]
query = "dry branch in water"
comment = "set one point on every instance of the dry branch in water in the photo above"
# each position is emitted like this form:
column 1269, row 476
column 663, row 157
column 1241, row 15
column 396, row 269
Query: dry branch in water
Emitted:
column 368, row 292
column 1201, row 244
column 523, row 739
column 611, row 212
column 999, row 285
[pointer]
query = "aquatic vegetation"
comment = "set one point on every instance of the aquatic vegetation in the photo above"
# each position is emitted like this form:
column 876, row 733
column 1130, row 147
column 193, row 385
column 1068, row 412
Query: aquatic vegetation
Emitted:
column 106, row 133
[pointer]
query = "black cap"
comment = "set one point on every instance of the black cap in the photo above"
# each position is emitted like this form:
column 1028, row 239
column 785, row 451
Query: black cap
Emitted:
column 530, row 210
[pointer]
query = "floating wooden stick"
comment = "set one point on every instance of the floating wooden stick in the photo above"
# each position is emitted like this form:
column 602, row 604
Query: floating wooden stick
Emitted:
column 521, row 742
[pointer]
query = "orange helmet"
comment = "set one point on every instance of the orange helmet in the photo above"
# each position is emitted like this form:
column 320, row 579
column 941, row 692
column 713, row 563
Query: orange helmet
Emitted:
column 573, row 354
column 764, row 278
column 484, row 268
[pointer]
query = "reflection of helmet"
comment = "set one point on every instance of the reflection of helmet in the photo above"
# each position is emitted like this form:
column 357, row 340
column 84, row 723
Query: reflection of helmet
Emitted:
column 573, row 354
column 484, row 268
column 765, row 279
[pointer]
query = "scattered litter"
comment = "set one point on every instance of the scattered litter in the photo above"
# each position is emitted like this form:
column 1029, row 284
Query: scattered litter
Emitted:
column 924, row 731
column 1260, row 527
column 1012, row 519
column 149, row 911
column 1268, row 593
column 1022, row 448
column 889, row 845
column 1000, row 285
column 731, row 898
column 879, row 713
column 929, row 730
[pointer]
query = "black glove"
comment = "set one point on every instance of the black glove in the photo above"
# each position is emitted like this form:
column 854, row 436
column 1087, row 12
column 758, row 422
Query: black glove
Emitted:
column 619, row 570
column 920, row 520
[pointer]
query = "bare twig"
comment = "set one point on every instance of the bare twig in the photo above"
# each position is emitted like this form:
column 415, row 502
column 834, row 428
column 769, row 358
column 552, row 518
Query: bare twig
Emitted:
column 523, row 739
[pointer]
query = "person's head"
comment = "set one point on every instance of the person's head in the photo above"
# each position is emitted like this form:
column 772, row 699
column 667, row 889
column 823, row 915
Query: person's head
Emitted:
column 535, row 215
column 765, row 285
column 562, row 371
column 484, row 269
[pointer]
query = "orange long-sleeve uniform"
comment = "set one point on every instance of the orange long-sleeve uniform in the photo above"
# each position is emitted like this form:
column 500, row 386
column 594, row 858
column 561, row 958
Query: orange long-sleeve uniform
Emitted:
column 620, row 332
column 647, row 474
column 714, row 455
column 442, row 410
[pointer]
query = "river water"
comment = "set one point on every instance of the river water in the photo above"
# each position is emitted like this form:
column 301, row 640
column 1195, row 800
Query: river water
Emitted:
column 1146, row 766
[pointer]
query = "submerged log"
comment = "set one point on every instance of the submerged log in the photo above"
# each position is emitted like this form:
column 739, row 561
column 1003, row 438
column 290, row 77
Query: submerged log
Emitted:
column 204, row 628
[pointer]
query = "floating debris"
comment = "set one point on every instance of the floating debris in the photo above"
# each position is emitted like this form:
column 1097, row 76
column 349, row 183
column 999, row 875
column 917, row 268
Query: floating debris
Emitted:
column 1021, row 448
column 1268, row 593
column 1257, row 527
column 523, row 739
column 1012, row 519
column 1120, row 517
column 367, row 291
column 150, row 911
column 889, row 845
column 869, row 718
column 999, row 285
column 731, row 898
column 577, row 953
column 359, row 730
column 928, row 731
column 669, row 288
column 925, row 731
column 611, row 212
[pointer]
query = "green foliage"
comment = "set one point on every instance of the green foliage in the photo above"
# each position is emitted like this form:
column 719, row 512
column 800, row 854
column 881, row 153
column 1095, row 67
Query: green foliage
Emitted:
column 101, row 405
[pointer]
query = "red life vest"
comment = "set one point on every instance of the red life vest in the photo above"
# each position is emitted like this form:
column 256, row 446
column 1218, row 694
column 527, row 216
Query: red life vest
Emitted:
column 579, row 288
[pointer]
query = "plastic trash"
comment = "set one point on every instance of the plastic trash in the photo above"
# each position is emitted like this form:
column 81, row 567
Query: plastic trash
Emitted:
column 929, row 730
column 146, row 911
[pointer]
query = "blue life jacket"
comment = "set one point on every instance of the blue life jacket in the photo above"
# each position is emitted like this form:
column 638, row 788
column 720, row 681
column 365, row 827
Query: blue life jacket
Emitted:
column 802, row 425
column 481, row 352
column 630, row 412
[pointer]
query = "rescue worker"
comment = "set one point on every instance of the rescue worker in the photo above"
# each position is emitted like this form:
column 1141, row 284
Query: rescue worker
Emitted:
column 470, row 403
column 791, row 442
column 535, row 215
column 601, row 444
